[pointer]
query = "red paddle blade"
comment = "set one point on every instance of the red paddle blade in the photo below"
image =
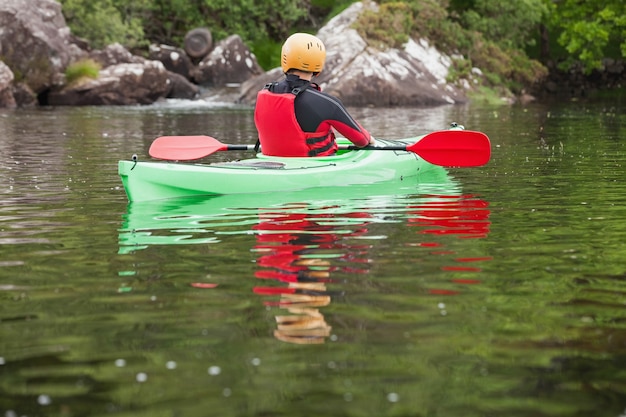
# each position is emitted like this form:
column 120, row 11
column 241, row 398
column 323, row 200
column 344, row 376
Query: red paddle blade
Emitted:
column 185, row 148
column 454, row 148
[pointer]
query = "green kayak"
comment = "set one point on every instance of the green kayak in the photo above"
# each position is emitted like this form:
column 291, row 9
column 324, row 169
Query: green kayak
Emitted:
column 389, row 162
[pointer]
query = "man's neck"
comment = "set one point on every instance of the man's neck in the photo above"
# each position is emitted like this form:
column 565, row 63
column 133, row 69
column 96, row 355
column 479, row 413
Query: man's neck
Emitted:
column 302, row 74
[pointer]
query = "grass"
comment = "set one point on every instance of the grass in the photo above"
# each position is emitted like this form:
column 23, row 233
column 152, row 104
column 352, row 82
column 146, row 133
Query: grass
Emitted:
column 80, row 70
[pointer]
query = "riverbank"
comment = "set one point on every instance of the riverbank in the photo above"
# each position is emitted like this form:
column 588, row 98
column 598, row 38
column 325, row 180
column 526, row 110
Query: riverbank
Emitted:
column 361, row 69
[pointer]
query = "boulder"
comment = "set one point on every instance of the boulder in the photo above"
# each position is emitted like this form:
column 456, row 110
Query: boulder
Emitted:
column 6, row 91
column 24, row 96
column 230, row 62
column 35, row 41
column 120, row 84
column 124, row 79
column 415, row 75
column 198, row 43
column 115, row 54
column 362, row 75
column 181, row 87
column 174, row 59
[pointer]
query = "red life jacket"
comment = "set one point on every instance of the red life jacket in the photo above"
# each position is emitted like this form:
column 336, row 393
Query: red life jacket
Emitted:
column 279, row 131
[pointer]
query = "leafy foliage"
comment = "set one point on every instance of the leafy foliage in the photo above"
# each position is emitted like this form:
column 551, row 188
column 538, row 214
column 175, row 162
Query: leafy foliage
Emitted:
column 252, row 20
column 137, row 23
column 102, row 23
column 511, row 24
column 588, row 29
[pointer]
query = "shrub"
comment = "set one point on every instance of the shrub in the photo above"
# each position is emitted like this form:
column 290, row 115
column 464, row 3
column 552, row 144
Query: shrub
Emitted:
column 79, row 70
column 389, row 27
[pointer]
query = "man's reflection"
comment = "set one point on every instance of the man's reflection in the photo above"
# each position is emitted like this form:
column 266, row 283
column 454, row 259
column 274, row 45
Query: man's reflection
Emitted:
column 297, row 247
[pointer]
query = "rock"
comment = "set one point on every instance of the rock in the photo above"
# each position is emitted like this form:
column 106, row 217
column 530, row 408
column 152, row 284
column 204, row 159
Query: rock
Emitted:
column 121, row 84
column 174, row 59
column 35, row 41
column 525, row 98
column 6, row 91
column 115, row 54
column 613, row 67
column 230, row 62
column 24, row 96
column 551, row 87
column 251, row 87
column 361, row 75
column 125, row 79
column 198, row 42
column 81, row 43
column 182, row 88
column 46, row 48
column 413, row 76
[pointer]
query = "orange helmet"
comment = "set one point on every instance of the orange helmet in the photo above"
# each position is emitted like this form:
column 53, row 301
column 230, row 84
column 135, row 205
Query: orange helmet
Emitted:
column 303, row 52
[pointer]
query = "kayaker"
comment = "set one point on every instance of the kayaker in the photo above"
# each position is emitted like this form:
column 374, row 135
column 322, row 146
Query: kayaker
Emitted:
column 293, row 116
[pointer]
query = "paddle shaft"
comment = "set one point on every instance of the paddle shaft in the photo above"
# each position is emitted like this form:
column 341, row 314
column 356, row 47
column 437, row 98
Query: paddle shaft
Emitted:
column 374, row 148
column 460, row 148
column 342, row 147
column 239, row 147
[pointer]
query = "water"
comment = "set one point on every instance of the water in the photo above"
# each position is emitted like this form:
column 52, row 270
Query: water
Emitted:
column 490, row 291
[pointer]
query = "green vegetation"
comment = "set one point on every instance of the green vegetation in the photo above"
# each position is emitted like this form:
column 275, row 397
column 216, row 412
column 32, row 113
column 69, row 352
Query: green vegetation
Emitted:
column 508, row 40
column 390, row 26
column 104, row 22
column 491, row 36
column 588, row 30
column 79, row 70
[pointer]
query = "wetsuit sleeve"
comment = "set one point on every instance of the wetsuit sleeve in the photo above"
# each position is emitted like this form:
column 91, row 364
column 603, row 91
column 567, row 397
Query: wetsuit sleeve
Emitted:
column 345, row 124
column 317, row 111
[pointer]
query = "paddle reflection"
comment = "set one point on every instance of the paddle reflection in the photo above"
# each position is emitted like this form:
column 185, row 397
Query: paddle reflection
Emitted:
column 465, row 216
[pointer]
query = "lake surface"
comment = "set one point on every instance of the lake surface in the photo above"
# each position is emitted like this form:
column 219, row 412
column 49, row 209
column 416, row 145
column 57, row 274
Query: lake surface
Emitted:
column 490, row 291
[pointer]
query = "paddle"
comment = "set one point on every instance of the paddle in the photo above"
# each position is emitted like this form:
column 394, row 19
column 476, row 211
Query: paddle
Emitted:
column 450, row 148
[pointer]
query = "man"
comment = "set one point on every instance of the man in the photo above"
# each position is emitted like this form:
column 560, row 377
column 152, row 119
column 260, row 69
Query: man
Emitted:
column 293, row 116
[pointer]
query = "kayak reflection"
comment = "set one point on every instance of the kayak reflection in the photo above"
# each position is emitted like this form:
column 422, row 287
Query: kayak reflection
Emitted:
column 307, row 242
column 200, row 220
